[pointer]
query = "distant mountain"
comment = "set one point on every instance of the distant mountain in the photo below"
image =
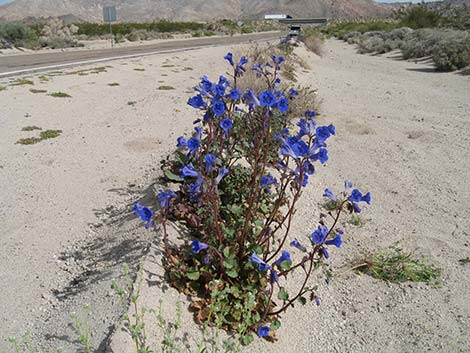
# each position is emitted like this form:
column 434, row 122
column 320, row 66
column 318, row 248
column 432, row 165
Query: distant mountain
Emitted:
column 194, row 10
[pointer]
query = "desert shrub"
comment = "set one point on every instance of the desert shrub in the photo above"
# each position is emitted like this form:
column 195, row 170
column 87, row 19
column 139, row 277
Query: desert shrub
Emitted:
column 96, row 29
column 16, row 34
column 55, row 34
column 452, row 53
column 419, row 16
column 340, row 29
column 239, row 177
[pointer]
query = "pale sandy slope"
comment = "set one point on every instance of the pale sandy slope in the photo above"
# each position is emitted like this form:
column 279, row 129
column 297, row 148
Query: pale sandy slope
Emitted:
column 402, row 134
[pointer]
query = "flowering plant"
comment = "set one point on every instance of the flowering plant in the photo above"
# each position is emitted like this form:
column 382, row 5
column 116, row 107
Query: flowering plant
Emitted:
column 241, row 174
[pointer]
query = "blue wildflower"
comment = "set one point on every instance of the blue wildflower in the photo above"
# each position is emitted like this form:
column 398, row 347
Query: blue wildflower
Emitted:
column 283, row 105
column 164, row 197
column 255, row 260
column 144, row 213
column 329, row 194
column 267, row 180
column 197, row 246
column 274, row 276
column 317, row 300
column 307, row 127
column 263, row 331
column 197, row 102
column 235, row 94
column 241, row 66
column 218, row 107
column 323, row 133
column 229, row 58
column 189, row 171
column 310, row 113
column 221, row 174
column 325, row 253
column 226, row 124
column 193, row 144
column 210, row 162
column 319, row 235
column 181, row 142
column 295, row 148
column 218, row 90
column 293, row 92
column 250, row 98
column 336, row 241
column 296, row 244
column 267, row 99
column 206, row 84
column 321, row 155
column 356, row 196
column 308, row 168
column 284, row 257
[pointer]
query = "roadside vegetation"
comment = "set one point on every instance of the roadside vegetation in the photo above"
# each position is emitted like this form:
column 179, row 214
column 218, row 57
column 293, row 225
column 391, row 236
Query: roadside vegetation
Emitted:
column 398, row 266
column 441, row 34
column 53, row 33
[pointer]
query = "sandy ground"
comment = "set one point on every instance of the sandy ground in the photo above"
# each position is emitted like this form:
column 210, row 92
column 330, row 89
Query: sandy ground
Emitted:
column 403, row 134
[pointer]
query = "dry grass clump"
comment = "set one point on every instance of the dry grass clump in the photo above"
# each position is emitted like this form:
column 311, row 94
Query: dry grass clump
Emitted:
column 313, row 41
column 307, row 97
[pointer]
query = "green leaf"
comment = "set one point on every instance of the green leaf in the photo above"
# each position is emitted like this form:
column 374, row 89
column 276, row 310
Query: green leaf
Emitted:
column 193, row 275
column 283, row 295
column 285, row 265
column 247, row 339
column 228, row 251
column 232, row 273
column 302, row 300
column 275, row 325
column 172, row 176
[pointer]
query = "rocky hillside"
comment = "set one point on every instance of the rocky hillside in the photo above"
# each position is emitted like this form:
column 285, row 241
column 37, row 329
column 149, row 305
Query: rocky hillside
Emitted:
column 194, row 10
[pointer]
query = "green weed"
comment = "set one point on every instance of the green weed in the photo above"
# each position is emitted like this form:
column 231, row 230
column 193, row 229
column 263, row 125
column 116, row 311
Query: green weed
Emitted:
column 50, row 134
column 60, row 95
column 29, row 141
column 35, row 91
column 397, row 266
column 168, row 65
column 21, row 82
column 139, row 69
column 165, row 88
column 80, row 325
column 31, row 128
column 132, row 103
column 113, row 84
column 2, row 88
column 356, row 220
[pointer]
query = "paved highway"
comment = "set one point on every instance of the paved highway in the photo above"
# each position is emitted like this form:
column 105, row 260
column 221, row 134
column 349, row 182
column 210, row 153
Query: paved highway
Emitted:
column 11, row 65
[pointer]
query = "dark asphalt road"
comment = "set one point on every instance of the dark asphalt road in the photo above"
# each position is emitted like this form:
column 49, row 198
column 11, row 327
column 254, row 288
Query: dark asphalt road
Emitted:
column 36, row 61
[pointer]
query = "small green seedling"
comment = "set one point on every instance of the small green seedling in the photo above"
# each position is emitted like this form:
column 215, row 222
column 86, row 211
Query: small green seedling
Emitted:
column 35, row 91
column 31, row 128
column 21, row 82
column 50, row 134
column 60, row 95
column 166, row 88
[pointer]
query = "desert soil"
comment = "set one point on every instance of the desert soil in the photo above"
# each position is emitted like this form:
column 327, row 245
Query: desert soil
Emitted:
column 403, row 133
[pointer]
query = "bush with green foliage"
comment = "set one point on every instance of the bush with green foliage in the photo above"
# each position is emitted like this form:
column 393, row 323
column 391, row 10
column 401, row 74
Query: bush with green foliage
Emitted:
column 16, row 34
